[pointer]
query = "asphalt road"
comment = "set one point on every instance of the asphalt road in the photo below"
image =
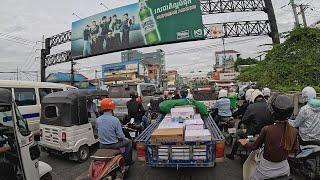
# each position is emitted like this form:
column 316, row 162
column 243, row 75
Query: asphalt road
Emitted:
column 64, row 169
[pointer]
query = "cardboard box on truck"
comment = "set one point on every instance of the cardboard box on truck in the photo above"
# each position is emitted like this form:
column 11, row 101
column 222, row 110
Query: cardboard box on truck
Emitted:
column 167, row 135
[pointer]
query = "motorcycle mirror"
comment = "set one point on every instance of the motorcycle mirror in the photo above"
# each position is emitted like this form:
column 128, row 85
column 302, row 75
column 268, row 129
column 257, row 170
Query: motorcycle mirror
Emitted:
column 131, row 120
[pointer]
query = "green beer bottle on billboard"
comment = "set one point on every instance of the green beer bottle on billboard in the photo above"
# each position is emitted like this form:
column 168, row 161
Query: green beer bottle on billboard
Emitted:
column 148, row 24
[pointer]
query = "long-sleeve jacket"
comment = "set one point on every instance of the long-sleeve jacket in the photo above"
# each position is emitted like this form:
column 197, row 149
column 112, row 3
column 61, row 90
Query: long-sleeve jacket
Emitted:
column 257, row 116
column 308, row 121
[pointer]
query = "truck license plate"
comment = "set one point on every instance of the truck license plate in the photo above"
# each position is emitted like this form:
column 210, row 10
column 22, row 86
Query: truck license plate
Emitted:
column 232, row 130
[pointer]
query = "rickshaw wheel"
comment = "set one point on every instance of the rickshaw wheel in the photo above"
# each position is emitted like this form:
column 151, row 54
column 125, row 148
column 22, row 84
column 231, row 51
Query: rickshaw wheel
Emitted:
column 83, row 153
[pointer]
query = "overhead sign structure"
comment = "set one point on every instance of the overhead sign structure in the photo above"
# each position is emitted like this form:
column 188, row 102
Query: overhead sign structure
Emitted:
column 149, row 22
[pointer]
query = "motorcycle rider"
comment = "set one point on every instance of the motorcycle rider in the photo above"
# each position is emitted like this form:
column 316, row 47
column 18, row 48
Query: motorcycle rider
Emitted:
column 308, row 119
column 223, row 106
column 255, row 118
column 242, row 109
column 137, row 112
column 110, row 131
column 266, row 93
column 279, row 140
column 233, row 96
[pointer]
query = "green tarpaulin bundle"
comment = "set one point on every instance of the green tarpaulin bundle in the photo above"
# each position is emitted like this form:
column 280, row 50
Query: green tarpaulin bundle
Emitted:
column 165, row 106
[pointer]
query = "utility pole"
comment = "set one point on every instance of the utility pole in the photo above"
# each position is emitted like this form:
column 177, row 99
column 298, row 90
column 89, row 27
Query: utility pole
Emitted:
column 294, row 8
column 302, row 10
column 72, row 73
column 273, row 22
column 17, row 73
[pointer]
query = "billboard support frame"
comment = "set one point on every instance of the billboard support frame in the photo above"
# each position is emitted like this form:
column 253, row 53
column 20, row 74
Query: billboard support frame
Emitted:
column 271, row 29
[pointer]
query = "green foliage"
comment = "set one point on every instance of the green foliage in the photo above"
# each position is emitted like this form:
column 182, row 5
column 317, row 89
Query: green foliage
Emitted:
column 247, row 61
column 291, row 65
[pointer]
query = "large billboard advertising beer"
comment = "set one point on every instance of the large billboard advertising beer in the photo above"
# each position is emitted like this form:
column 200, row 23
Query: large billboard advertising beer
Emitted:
column 149, row 22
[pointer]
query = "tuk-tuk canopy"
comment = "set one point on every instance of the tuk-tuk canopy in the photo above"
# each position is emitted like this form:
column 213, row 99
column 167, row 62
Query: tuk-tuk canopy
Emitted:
column 65, row 108
column 5, row 97
column 65, row 97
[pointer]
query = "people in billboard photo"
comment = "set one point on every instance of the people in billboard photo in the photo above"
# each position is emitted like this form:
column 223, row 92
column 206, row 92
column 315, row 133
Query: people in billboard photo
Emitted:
column 116, row 29
column 86, row 39
column 104, row 30
column 94, row 31
column 126, row 24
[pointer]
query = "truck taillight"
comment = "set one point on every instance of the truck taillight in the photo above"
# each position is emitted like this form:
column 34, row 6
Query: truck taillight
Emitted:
column 64, row 136
column 140, row 146
column 220, row 146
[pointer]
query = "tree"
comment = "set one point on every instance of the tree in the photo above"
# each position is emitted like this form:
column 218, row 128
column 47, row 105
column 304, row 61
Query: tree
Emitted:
column 291, row 65
column 247, row 61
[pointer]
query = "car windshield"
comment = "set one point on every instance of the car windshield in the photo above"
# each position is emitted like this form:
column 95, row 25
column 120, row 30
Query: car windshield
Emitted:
column 122, row 91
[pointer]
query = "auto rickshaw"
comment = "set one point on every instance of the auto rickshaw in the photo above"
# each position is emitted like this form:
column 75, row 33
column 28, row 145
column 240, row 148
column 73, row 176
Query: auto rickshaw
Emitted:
column 67, row 125
column 19, row 152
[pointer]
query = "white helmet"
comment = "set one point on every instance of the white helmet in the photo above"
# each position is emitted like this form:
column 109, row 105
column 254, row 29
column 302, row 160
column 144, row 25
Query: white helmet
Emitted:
column 223, row 93
column 248, row 94
column 308, row 93
column 266, row 92
column 255, row 94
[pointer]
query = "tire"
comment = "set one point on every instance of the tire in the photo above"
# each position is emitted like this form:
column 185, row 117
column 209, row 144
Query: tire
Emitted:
column 83, row 153
column 47, row 176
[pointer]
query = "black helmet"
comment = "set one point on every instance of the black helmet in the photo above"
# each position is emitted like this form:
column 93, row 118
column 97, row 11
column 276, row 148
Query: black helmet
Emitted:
column 133, row 95
column 282, row 107
column 184, row 92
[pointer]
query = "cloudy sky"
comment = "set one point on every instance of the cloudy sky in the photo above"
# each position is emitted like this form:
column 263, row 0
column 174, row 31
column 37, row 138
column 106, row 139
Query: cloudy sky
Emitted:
column 24, row 22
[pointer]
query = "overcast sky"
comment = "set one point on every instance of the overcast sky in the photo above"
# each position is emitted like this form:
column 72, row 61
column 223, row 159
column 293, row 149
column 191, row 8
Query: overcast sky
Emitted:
column 24, row 22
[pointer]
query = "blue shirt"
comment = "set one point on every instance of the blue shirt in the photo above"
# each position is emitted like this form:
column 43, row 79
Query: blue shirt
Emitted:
column 224, row 107
column 109, row 129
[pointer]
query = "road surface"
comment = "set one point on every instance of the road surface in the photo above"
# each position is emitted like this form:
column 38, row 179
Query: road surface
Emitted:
column 64, row 169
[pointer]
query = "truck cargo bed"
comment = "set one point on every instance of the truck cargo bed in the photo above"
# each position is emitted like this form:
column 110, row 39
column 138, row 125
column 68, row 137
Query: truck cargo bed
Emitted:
column 183, row 154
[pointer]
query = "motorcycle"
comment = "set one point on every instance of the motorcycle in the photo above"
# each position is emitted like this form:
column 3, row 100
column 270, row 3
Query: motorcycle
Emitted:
column 226, row 126
column 131, row 130
column 307, row 162
column 108, row 164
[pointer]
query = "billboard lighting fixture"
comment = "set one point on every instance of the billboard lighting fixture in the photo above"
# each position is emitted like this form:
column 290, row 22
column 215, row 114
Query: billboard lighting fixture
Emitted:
column 101, row 4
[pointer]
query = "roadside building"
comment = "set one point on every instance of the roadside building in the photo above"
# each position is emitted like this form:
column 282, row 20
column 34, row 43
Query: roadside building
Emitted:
column 80, row 81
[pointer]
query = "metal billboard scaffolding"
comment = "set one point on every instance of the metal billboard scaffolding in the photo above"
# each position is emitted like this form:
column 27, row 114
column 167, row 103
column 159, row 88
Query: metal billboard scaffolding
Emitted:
column 230, row 29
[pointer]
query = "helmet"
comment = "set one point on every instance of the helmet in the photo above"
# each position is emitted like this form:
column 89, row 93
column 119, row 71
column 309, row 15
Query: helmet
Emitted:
column 256, row 93
column 266, row 92
column 107, row 104
column 248, row 94
column 133, row 95
column 184, row 93
column 282, row 107
column 223, row 93
column 308, row 93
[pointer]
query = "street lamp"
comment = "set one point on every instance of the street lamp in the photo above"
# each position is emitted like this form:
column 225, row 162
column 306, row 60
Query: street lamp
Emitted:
column 74, row 14
column 101, row 4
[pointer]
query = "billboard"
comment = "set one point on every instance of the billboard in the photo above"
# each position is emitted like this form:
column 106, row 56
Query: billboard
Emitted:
column 149, row 22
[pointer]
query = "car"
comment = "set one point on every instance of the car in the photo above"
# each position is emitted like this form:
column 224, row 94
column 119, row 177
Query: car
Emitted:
column 120, row 94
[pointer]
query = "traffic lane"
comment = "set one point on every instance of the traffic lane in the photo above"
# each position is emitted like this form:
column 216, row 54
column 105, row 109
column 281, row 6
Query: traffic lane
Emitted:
column 230, row 170
column 63, row 168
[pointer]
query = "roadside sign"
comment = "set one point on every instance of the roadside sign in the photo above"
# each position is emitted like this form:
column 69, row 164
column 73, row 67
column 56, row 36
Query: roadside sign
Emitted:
column 216, row 31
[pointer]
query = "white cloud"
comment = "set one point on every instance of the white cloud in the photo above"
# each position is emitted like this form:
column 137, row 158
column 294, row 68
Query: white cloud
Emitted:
column 30, row 19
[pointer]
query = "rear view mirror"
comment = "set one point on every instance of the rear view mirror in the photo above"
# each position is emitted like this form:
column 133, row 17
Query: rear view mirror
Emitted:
column 5, row 108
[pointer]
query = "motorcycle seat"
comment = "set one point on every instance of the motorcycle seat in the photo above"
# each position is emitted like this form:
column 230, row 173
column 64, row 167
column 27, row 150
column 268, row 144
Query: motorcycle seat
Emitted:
column 103, row 154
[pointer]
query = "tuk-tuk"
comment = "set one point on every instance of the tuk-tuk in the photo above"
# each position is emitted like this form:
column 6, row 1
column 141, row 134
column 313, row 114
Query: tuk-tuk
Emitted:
column 66, row 126
column 19, row 152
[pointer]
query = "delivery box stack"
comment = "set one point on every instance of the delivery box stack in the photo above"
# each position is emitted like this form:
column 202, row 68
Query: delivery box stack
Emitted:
column 182, row 125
